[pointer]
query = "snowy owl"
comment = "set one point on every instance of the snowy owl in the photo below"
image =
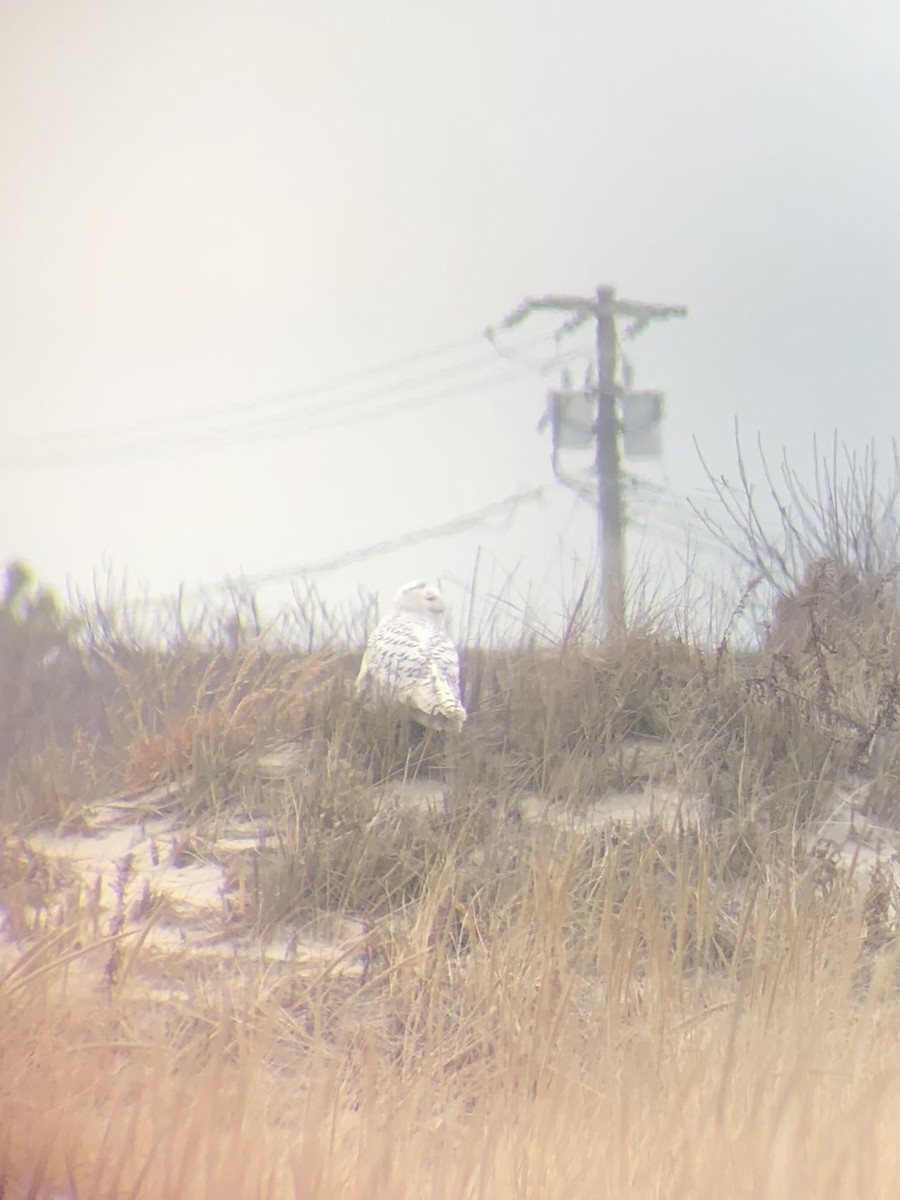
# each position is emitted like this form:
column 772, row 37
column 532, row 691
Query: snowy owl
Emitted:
column 410, row 658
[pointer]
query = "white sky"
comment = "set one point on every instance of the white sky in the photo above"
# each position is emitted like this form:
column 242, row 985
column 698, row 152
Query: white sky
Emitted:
column 212, row 203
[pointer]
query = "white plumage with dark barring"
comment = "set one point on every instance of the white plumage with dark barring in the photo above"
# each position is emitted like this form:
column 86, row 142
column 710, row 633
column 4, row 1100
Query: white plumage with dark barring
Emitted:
column 411, row 659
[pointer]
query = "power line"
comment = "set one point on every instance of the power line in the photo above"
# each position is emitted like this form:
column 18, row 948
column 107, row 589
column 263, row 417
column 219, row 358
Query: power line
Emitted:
column 556, row 360
column 95, row 445
column 290, row 396
column 210, row 440
column 506, row 507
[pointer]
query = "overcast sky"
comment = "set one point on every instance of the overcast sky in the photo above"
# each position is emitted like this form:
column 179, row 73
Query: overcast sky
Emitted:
column 224, row 224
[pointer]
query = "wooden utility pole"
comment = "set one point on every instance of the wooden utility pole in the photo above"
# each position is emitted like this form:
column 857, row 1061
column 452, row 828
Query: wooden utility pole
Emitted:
column 610, row 525
column 604, row 308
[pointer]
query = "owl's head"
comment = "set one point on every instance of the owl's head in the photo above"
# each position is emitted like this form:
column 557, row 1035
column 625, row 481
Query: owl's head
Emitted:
column 420, row 599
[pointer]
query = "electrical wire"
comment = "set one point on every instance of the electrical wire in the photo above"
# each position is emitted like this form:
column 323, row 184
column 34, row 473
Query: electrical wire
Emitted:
column 557, row 359
column 505, row 508
column 213, row 430
column 211, row 440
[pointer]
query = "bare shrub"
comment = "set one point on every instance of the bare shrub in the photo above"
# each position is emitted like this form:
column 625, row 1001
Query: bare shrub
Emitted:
column 849, row 516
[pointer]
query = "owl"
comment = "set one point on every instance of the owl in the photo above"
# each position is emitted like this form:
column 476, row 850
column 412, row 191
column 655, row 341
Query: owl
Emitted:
column 411, row 659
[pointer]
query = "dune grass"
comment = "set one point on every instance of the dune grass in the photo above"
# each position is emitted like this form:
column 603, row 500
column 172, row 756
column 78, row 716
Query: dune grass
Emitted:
column 598, row 1035
column 690, row 1006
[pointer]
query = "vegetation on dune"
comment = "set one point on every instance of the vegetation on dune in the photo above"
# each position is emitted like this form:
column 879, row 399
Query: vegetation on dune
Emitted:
column 548, row 1008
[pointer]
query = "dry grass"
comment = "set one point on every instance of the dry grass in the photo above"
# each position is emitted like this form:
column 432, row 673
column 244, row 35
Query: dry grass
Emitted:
column 674, row 1009
column 584, row 1043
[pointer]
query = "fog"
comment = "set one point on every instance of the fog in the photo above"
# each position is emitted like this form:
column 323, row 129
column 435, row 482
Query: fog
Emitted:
column 248, row 252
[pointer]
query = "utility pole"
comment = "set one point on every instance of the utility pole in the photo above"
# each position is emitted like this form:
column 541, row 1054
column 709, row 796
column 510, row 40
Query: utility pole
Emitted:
column 604, row 308
column 610, row 526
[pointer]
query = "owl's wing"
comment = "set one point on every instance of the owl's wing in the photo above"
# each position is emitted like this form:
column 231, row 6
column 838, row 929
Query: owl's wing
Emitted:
column 435, row 693
column 415, row 664
column 396, row 657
